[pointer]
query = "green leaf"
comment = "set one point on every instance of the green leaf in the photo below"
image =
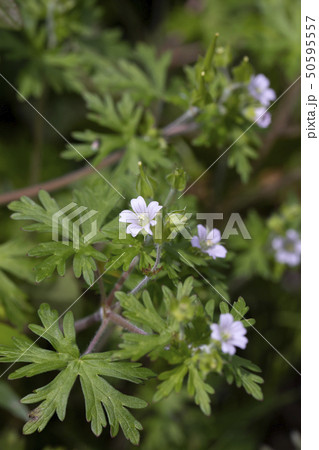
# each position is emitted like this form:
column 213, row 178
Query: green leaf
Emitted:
column 173, row 380
column 99, row 395
column 239, row 158
column 55, row 253
column 224, row 308
column 141, row 313
column 196, row 387
column 241, row 370
column 210, row 308
column 135, row 346
column 201, row 390
column 145, row 83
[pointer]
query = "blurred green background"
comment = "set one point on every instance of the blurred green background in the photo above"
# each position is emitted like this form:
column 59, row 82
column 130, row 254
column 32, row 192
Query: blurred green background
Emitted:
column 267, row 31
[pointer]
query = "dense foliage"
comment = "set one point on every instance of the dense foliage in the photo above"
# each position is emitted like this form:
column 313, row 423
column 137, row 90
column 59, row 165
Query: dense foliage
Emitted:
column 157, row 290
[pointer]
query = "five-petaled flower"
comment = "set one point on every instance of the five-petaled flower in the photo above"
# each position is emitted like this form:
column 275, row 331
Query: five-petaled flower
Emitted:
column 287, row 248
column 207, row 241
column 141, row 218
column 260, row 90
column 230, row 332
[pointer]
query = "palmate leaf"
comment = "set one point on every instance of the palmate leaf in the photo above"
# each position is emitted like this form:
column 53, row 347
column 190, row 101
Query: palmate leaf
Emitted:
column 121, row 121
column 238, row 311
column 144, row 314
column 99, row 395
column 146, row 83
column 57, row 253
column 240, row 159
column 196, row 386
column 242, row 371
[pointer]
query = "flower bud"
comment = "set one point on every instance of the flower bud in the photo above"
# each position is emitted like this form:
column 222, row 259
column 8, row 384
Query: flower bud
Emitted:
column 177, row 179
column 144, row 186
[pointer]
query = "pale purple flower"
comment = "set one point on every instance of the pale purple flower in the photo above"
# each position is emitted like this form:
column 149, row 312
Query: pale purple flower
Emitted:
column 141, row 218
column 262, row 117
column 95, row 145
column 260, row 90
column 287, row 248
column 230, row 332
column 207, row 241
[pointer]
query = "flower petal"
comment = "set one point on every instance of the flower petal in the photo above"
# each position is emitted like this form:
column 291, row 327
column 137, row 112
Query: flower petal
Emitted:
column 202, row 232
column 261, row 82
column 217, row 251
column 195, row 242
column 128, row 216
column 215, row 332
column 225, row 321
column 153, row 208
column 133, row 229
column 228, row 348
column 214, row 235
column 147, row 228
column 138, row 205
column 293, row 235
column 277, row 243
column 238, row 329
column 240, row 342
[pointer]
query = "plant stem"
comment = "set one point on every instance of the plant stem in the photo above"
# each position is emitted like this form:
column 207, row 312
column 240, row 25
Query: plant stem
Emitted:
column 119, row 284
column 58, row 183
column 175, row 128
column 87, row 321
column 148, row 277
column 109, row 316
column 97, row 336
column 169, row 130
column 119, row 320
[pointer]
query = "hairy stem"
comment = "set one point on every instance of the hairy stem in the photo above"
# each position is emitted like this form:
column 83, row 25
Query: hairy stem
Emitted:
column 97, row 336
column 110, row 316
column 87, row 321
column 119, row 320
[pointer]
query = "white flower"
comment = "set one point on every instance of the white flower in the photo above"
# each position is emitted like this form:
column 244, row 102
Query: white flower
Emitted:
column 230, row 332
column 142, row 218
column 208, row 242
